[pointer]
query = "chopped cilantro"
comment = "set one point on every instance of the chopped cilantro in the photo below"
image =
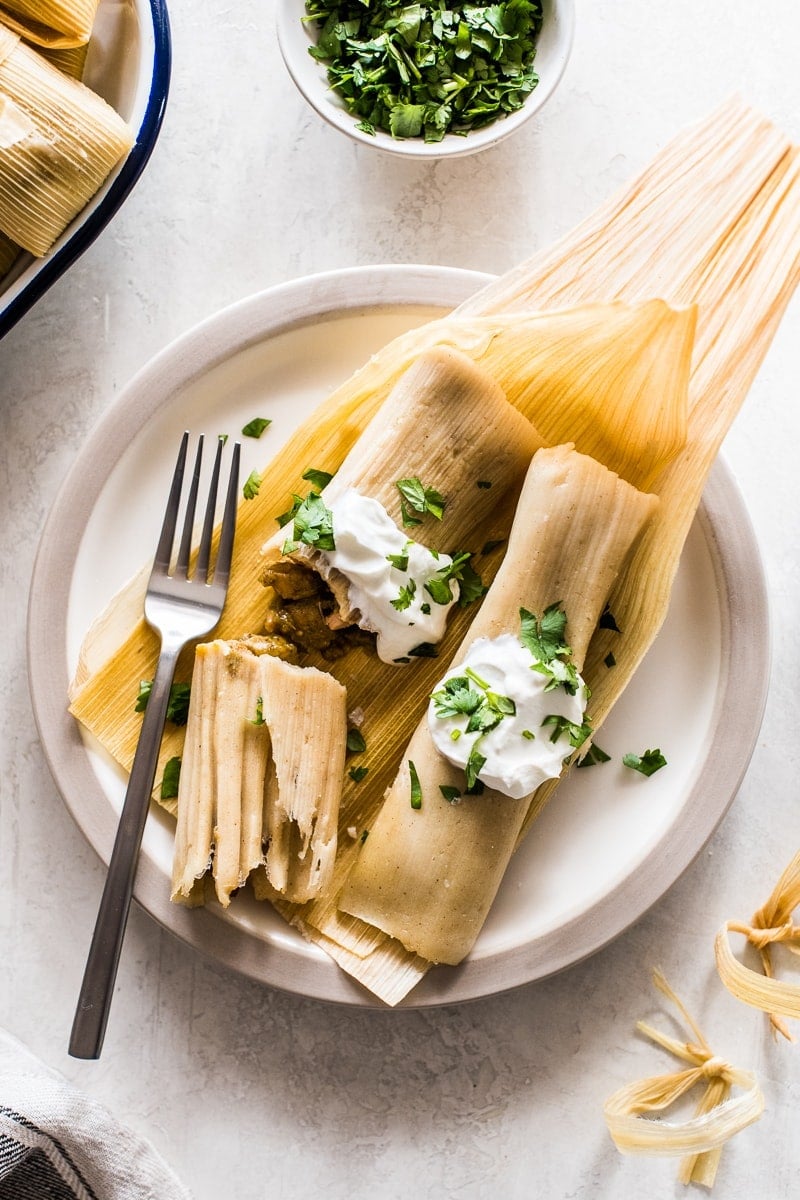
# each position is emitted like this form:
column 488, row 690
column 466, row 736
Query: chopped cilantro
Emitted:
column 647, row 763
column 355, row 741
column 171, row 778
column 450, row 793
column 563, row 727
column 403, row 659
column 422, row 71
column 251, row 485
column 223, row 437
column 313, row 523
column 610, row 660
column 416, row 786
column 592, row 756
column 416, row 498
column 399, row 561
column 425, row 608
column 484, row 483
column 177, row 705
column 358, row 773
column 318, row 479
column 405, row 597
column 545, row 640
column 607, row 621
column 258, row 719
column 289, row 515
column 461, row 570
column 475, row 764
column 255, row 428
column 364, row 836
column 423, row 650
column 526, row 733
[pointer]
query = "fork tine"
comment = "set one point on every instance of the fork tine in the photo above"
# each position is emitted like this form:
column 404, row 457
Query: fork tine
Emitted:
column 204, row 553
column 185, row 549
column 223, row 565
column 167, row 535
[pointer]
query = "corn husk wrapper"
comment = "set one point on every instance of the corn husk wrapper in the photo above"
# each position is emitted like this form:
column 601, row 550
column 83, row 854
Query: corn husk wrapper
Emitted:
column 261, row 776
column 714, row 220
column 58, row 143
column 57, row 24
column 71, row 62
column 718, row 1116
column 428, row 876
column 770, row 926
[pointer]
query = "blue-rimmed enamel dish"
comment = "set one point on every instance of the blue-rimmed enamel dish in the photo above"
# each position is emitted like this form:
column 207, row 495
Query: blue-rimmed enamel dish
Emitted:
column 128, row 64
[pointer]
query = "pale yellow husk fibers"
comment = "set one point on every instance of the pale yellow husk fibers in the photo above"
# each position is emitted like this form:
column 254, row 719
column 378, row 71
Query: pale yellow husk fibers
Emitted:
column 771, row 926
column 59, row 24
column 714, row 220
column 58, row 143
column 718, row 1116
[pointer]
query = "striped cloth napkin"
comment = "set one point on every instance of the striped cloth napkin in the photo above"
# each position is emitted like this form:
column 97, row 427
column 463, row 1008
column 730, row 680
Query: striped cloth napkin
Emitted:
column 57, row 1144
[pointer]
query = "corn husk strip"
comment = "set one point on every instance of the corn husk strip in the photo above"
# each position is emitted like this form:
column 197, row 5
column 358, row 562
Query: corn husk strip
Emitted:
column 718, row 1116
column 71, row 62
column 245, row 782
column 58, row 143
column 8, row 254
column 58, row 24
column 428, row 877
column 771, row 925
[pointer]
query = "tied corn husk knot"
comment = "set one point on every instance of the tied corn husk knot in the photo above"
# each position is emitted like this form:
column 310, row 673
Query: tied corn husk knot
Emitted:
column 718, row 1114
column 771, row 925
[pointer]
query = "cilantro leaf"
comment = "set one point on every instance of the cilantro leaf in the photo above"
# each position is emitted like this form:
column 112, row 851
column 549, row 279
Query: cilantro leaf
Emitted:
column 423, row 650
column 255, row 428
column 450, row 793
column 290, row 513
column 318, row 479
column 647, row 763
column 475, row 764
column 251, row 485
column 545, row 640
column 399, row 561
column 415, row 496
column 593, row 756
column 416, row 786
column 405, row 597
column 177, row 705
column 258, row 719
column 355, row 741
column 563, row 727
column 171, row 778
column 357, row 774
column 607, row 621
column 313, row 523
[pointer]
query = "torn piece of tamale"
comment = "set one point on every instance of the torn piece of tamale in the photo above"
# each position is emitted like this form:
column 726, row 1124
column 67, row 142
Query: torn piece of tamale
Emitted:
column 58, row 143
column 261, row 776
column 429, row 871
column 59, row 24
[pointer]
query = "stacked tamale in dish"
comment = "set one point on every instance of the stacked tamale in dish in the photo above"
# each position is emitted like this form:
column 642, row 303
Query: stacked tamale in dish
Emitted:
column 612, row 366
column 59, row 141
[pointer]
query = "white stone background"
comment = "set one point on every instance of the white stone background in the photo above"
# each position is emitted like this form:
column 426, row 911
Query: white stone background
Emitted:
column 246, row 1091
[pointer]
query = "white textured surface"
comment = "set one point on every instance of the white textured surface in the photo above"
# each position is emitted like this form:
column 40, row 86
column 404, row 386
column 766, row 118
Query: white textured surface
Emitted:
column 248, row 1092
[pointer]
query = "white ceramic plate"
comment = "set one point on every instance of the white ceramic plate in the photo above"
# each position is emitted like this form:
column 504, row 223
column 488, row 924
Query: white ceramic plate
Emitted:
column 128, row 64
column 610, row 843
column 553, row 48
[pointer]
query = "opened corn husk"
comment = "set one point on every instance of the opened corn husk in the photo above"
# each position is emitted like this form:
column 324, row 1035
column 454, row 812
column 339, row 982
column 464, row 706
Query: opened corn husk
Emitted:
column 261, row 776
column 71, row 61
column 771, row 925
column 54, row 23
column 715, row 220
column 428, row 876
column 718, row 1116
column 58, row 143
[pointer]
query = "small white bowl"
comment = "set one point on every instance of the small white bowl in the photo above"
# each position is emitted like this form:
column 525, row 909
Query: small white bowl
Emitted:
column 552, row 52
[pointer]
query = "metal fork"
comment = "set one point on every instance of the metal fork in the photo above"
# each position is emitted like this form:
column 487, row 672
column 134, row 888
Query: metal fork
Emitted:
column 180, row 609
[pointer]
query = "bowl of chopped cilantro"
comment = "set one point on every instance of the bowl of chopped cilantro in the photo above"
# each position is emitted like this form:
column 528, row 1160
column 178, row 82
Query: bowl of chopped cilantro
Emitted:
column 431, row 79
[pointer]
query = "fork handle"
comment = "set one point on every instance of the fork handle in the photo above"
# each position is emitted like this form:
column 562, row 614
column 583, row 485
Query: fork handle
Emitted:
column 91, row 1015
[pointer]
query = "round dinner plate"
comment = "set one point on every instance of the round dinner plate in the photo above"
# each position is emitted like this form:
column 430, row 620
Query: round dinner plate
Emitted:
column 611, row 841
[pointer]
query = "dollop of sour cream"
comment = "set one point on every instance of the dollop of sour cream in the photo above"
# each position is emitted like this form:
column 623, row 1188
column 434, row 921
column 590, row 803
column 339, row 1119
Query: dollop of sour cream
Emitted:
column 365, row 535
column 520, row 753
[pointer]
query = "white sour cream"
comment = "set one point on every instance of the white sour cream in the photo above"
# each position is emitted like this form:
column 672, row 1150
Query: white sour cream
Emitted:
column 365, row 534
column 516, row 764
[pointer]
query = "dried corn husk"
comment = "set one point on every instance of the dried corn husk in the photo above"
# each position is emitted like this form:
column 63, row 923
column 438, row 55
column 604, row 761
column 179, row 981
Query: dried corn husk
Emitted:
column 54, row 23
column 717, row 1117
column 427, row 877
column 58, row 143
column 261, row 776
column 772, row 925
column 714, row 220
column 71, row 61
